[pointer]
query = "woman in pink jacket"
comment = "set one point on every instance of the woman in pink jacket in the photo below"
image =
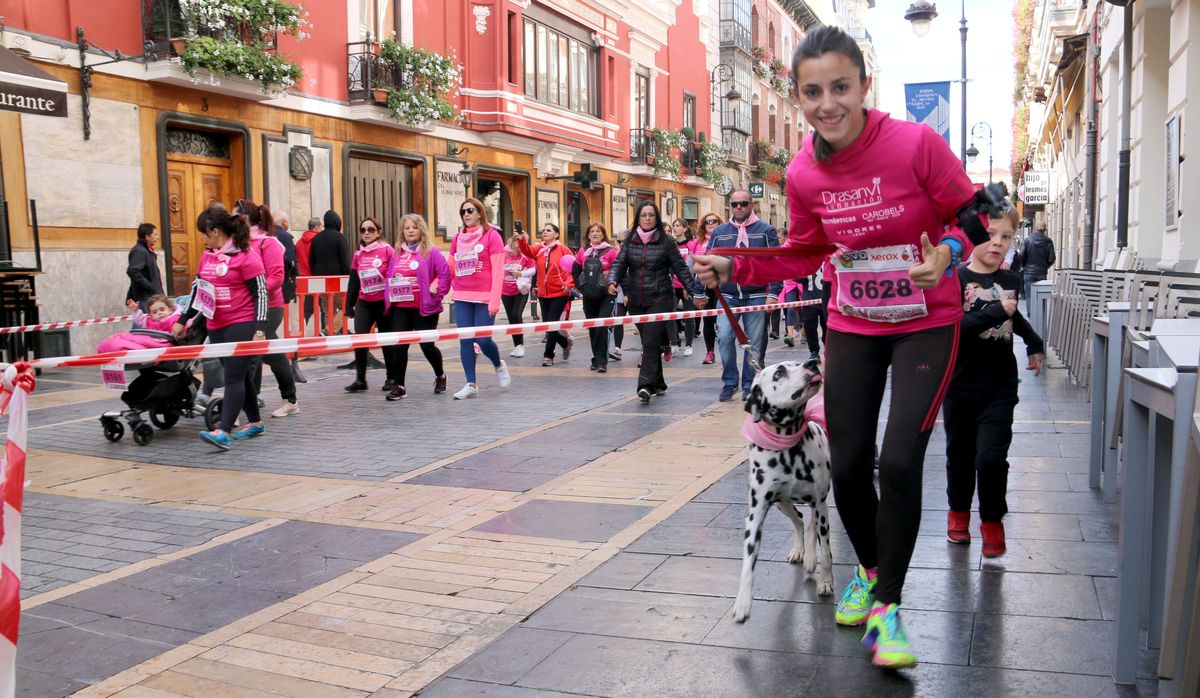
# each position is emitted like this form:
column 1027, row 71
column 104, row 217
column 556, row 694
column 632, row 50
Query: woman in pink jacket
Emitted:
column 882, row 190
column 681, row 230
column 418, row 278
column 366, row 294
column 518, row 280
column 477, row 260
column 593, row 284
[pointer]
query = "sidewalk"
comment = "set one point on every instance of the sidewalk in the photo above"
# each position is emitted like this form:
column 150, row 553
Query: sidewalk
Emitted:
column 554, row 538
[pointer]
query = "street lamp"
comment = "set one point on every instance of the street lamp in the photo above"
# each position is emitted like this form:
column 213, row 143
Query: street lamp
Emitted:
column 921, row 14
column 973, row 152
column 720, row 74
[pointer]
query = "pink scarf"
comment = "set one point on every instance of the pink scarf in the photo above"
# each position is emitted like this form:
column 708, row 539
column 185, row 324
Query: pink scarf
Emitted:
column 743, row 238
column 469, row 237
column 759, row 434
column 645, row 237
column 373, row 246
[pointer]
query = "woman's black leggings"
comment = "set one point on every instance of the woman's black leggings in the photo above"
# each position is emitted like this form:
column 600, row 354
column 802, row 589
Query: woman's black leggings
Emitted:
column 514, row 308
column 883, row 528
column 709, row 324
column 619, row 330
column 367, row 314
column 240, row 395
column 407, row 320
column 552, row 311
column 688, row 325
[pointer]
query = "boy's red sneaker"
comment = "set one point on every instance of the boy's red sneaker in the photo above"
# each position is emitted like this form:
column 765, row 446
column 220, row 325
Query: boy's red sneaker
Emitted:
column 993, row 538
column 958, row 525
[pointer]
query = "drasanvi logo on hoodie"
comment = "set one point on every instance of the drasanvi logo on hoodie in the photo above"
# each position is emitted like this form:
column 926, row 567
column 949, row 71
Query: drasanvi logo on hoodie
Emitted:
column 850, row 199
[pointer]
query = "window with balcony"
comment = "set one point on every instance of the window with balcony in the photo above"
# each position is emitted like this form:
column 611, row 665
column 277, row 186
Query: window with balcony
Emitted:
column 689, row 111
column 560, row 68
column 640, row 146
column 380, row 19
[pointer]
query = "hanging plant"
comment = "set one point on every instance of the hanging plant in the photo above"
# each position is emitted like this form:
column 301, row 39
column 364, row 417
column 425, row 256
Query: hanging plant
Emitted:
column 710, row 157
column 664, row 144
column 236, row 38
column 422, row 83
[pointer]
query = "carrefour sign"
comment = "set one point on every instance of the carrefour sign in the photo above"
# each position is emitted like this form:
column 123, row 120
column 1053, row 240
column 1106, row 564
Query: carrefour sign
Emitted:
column 1035, row 188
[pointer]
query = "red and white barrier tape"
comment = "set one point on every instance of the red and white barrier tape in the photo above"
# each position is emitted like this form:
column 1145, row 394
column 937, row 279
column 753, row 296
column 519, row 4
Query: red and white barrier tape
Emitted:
column 18, row 382
column 350, row 342
column 17, row 329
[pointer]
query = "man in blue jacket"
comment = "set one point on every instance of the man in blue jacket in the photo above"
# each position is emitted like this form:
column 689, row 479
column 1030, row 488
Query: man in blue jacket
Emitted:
column 744, row 229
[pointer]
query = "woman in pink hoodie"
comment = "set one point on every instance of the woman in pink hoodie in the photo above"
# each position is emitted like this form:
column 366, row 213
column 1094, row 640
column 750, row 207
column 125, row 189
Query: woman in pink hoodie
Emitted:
column 593, row 284
column 418, row 278
column 882, row 190
column 477, row 261
column 366, row 293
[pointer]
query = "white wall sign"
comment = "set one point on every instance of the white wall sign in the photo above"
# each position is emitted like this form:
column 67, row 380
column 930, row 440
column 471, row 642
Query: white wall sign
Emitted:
column 547, row 207
column 1036, row 188
column 620, row 210
column 448, row 180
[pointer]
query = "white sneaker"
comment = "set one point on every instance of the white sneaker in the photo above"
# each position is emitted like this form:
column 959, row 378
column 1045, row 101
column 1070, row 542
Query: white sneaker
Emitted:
column 687, row 351
column 615, row 353
column 518, row 351
column 466, row 391
column 286, row 409
column 503, row 375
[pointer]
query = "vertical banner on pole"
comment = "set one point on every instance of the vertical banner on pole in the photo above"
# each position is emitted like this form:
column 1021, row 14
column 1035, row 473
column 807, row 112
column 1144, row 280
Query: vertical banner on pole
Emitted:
column 929, row 103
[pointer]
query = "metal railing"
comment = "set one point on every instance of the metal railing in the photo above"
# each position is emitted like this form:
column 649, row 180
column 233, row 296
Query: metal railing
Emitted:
column 164, row 28
column 368, row 71
column 641, row 146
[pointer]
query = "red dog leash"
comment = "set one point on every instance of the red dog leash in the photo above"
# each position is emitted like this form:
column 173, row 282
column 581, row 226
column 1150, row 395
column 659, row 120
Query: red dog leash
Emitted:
column 794, row 250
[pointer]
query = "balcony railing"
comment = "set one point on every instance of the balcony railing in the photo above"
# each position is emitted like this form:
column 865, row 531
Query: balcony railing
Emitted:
column 368, row 72
column 734, row 34
column 641, row 146
column 164, row 28
column 689, row 157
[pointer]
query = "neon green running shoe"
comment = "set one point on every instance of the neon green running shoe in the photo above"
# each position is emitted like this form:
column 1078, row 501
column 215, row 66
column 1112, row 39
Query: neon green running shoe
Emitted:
column 886, row 639
column 856, row 600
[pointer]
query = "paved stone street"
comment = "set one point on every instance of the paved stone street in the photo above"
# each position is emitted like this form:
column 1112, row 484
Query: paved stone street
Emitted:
column 555, row 538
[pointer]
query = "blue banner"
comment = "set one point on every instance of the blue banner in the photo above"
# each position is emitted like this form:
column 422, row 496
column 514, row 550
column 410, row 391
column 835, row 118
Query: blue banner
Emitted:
column 929, row 103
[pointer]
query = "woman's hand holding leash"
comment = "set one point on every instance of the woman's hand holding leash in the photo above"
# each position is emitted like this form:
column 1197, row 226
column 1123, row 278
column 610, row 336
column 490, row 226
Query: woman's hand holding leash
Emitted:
column 712, row 269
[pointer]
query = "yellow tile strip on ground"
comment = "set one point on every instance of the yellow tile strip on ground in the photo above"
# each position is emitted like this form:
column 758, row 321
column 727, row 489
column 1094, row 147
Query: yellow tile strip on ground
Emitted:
column 401, row 621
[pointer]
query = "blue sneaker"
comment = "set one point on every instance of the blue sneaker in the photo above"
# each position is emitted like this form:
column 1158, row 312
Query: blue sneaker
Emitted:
column 726, row 393
column 886, row 638
column 250, row 431
column 217, row 438
column 857, row 599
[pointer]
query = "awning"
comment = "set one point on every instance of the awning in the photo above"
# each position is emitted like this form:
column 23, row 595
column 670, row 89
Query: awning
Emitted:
column 28, row 89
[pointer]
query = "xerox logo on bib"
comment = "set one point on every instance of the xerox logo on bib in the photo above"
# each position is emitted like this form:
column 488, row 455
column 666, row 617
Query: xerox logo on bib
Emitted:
column 848, row 199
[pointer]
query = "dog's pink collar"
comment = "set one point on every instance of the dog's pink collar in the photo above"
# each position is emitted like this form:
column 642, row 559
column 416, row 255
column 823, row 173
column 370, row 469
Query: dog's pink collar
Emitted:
column 759, row 434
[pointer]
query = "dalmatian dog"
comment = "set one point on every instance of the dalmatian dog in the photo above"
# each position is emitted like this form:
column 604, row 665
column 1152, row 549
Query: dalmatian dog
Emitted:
column 789, row 465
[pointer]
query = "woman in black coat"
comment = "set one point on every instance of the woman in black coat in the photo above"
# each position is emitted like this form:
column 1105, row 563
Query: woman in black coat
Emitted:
column 643, row 269
column 145, row 279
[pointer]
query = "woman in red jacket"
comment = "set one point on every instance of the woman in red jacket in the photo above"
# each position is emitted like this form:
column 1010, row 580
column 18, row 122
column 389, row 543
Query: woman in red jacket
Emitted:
column 597, row 302
column 553, row 285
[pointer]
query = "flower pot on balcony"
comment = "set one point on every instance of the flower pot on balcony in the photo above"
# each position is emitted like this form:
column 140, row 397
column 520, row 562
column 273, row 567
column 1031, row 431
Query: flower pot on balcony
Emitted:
column 379, row 95
column 178, row 45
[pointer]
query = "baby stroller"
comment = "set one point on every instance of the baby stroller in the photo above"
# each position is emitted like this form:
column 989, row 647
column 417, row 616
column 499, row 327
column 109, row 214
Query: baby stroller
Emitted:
column 162, row 391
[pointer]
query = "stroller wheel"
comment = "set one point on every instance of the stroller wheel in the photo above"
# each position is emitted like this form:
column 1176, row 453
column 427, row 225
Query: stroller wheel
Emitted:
column 212, row 413
column 143, row 434
column 113, row 430
column 164, row 419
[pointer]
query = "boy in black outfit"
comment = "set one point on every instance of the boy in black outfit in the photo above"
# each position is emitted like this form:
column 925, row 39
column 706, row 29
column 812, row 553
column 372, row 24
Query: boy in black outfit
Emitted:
column 978, row 410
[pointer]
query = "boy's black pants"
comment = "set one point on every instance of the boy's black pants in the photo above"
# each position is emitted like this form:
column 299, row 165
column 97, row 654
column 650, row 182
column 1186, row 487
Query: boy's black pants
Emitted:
column 978, row 434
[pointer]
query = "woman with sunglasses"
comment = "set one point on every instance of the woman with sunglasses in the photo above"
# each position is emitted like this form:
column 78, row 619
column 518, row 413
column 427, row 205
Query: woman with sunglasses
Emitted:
column 230, row 290
column 366, row 295
column 418, row 278
column 553, row 286
column 477, row 260
column 708, row 326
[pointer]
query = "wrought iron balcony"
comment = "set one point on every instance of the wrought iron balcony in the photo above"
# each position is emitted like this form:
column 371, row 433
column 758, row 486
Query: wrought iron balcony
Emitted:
column 164, row 30
column 641, row 146
column 370, row 75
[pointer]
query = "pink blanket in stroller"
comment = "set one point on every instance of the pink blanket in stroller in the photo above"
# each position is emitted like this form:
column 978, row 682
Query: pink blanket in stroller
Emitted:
column 126, row 341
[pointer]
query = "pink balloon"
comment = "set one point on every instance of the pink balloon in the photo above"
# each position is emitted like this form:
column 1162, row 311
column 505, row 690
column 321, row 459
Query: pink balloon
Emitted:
column 567, row 263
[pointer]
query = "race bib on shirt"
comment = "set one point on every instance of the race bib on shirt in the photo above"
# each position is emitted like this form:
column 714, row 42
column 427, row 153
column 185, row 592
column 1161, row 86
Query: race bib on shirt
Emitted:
column 402, row 289
column 206, row 298
column 873, row 284
column 466, row 262
column 370, row 280
column 512, row 270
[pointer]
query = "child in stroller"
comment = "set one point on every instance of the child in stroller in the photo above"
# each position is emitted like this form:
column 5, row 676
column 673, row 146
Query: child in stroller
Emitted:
column 161, row 314
column 165, row 391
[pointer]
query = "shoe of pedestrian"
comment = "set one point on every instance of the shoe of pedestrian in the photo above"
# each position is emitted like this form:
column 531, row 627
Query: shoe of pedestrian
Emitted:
column 567, row 349
column 503, row 376
column 250, row 431
column 726, row 393
column 774, row 335
column 477, row 349
column 202, row 400
column 644, row 395
column 297, row 374
column 709, row 358
column 217, row 438
column 602, row 369
column 397, row 393
column 958, row 526
column 439, row 384
column 615, row 354
column 357, row 386
column 855, row 604
column 518, row 351
column 660, row 392
column 261, row 403
column 814, row 356
column 993, row 538
column 687, row 351
column 467, row 391
column 388, row 385
column 548, row 361
column 287, row 409
column 886, row 639
column 667, row 354
column 592, row 367
column 789, row 340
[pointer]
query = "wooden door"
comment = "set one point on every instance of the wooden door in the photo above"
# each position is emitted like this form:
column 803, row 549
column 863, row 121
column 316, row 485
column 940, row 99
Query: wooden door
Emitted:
column 379, row 189
column 191, row 187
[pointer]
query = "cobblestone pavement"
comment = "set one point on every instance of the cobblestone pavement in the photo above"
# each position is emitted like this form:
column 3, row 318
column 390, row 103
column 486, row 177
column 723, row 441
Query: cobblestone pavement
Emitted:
column 556, row 538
